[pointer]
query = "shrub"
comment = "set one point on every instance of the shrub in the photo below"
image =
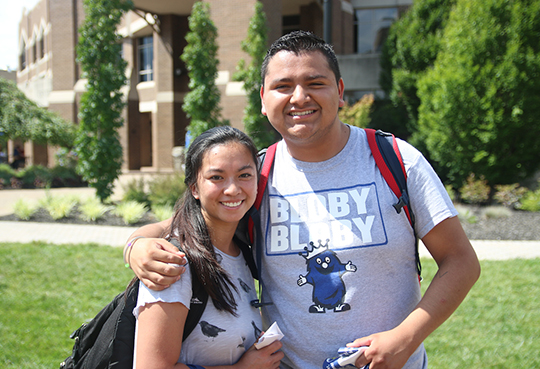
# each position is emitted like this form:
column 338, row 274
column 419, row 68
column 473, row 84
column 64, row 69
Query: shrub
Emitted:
column 134, row 190
column 530, row 201
column 35, row 176
column 497, row 212
column 6, row 172
column 92, row 209
column 162, row 212
column 475, row 191
column 130, row 211
column 509, row 195
column 15, row 183
column 357, row 114
column 65, row 176
column 24, row 209
column 451, row 193
column 60, row 207
column 466, row 215
column 163, row 190
column 40, row 176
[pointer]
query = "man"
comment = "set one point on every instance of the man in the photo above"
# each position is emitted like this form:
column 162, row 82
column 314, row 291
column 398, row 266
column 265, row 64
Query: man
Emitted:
column 338, row 261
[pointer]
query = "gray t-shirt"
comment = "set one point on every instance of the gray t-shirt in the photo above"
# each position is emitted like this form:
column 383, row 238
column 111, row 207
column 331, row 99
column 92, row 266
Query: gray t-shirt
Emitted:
column 220, row 338
column 338, row 261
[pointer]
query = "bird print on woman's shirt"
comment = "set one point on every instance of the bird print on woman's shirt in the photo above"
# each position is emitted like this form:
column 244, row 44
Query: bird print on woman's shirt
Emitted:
column 210, row 330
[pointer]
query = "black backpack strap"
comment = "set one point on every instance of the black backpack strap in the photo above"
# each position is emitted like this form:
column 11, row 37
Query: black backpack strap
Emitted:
column 199, row 299
column 248, row 256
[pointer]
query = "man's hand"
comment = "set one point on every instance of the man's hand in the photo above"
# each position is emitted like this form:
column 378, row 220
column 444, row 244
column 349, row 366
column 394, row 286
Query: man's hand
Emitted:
column 151, row 259
column 387, row 350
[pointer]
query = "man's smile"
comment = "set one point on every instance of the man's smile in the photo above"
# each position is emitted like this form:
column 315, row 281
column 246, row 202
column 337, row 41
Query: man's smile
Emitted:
column 301, row 113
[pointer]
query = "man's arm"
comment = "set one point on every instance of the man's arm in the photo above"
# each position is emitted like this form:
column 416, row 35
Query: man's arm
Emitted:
column 150, row 257
column 458, row 270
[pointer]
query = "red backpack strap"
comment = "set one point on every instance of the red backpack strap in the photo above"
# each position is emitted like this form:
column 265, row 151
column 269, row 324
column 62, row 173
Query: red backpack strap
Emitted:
column 388, row 158
column 386, row 171
column 268, row 161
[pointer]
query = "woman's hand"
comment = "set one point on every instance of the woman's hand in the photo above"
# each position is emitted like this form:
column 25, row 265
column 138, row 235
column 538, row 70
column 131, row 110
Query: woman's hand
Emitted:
column 268, row 357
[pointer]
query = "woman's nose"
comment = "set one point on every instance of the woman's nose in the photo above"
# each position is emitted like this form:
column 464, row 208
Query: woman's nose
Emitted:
column 232, row 188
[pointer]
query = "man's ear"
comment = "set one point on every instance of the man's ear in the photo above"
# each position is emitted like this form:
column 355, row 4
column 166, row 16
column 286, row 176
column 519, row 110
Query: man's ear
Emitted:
column 263, row 108
column 341, row 90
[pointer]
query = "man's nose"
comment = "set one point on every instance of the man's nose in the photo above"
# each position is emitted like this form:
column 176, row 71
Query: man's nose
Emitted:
column 299, row 95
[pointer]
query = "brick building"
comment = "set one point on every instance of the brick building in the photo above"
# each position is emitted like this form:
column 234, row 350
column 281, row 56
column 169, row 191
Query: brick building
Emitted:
column 153, row 40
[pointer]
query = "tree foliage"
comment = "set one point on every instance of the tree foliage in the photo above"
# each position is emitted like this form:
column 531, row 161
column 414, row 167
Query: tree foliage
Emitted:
column 255, row 124
column 99, row 53
column 481, row 101
column 21, row 118
column 201, row 104
column 411, row 48
column 358, row 114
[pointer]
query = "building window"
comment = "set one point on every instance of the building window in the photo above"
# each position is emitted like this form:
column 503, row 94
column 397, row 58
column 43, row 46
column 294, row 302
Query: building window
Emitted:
column 146, row 59
column 34, row 52
column 371, row 28
column 22, row 56
column 42, row 47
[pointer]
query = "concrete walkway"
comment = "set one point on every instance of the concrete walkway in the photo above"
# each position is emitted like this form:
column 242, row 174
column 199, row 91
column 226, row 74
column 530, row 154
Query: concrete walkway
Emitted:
column 60, row 233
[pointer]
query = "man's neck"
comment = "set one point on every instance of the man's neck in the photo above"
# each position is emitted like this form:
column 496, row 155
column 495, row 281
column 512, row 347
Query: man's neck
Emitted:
column 322, row 150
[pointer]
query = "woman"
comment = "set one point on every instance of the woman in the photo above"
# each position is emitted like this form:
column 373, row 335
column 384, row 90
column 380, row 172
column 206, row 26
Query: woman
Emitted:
column 221, row 175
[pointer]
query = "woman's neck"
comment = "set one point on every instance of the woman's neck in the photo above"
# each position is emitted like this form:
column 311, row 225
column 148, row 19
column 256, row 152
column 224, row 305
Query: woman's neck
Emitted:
column 222, row 239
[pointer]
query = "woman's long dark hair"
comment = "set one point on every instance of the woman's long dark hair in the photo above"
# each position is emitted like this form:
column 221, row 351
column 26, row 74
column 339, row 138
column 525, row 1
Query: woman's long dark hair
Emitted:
column 188, row 224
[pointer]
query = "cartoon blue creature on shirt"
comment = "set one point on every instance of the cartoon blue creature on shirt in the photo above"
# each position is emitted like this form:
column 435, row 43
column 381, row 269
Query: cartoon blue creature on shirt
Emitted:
column 324, row 273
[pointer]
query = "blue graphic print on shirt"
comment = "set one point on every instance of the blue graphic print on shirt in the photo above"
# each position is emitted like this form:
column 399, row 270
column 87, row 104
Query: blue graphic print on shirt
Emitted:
column 324, row 274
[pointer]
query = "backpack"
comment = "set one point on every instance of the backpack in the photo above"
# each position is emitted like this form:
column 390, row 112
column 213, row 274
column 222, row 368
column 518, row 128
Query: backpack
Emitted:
column 107, row 341
column 386, row 153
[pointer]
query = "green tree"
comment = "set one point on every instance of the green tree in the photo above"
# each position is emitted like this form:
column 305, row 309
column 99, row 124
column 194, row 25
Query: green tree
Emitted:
column 99, row 53
column 358, row 114
column 255, row 124
column 201, row 104
column 21, row 118
column 412, row 46
column 481, row 101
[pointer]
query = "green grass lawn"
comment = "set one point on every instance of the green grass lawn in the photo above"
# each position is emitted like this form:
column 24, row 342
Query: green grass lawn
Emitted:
column 47, row 291
column 498, row 324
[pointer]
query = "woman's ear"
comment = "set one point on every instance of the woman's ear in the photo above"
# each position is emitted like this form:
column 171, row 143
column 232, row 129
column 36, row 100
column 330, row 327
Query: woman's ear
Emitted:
column 194, row 191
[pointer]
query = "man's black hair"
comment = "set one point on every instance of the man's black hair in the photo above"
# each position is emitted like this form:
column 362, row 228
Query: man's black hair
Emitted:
column 301, row 42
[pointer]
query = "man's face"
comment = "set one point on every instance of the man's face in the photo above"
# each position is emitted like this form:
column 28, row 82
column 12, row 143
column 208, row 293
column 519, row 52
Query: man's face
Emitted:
column 301, row 98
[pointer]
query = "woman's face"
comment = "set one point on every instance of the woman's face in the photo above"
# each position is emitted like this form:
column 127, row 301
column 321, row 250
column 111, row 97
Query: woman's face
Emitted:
column 226, row 184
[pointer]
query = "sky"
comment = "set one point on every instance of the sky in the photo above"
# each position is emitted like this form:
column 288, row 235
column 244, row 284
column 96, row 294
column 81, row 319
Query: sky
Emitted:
column 10, row 15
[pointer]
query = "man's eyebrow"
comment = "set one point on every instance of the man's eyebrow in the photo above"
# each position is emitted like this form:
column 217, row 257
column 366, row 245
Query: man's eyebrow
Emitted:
column 317, row 76
column 280, row 80
column 308, row 78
